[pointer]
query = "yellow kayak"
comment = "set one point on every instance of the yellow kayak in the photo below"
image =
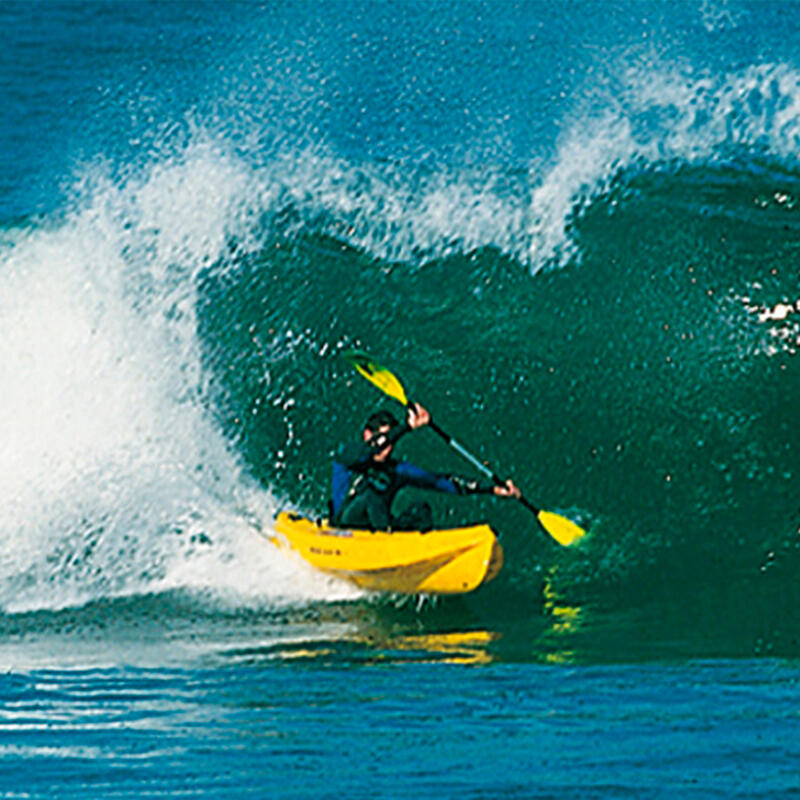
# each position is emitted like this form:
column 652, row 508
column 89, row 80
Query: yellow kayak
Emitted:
column 450, row 561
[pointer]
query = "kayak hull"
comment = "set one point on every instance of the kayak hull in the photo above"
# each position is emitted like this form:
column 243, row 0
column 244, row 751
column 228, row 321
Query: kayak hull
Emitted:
column 450, row 561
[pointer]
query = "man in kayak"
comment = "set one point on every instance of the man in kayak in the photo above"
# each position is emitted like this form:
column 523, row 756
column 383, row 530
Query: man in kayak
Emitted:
column 366, row 478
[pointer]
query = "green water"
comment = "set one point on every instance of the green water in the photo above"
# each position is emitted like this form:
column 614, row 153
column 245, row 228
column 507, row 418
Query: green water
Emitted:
column 634, row 389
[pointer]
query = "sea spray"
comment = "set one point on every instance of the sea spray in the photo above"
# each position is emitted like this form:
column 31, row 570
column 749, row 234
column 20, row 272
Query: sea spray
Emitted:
column 115, row 476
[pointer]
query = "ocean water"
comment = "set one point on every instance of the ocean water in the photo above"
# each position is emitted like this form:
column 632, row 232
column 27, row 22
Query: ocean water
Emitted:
column 572, row 228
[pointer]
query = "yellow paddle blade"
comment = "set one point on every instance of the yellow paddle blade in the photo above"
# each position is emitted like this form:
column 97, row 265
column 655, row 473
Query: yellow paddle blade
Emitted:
column 564, row 531
column 376, row 374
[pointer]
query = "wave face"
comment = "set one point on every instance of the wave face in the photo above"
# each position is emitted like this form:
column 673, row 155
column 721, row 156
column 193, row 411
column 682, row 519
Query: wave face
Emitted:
column 574, row 238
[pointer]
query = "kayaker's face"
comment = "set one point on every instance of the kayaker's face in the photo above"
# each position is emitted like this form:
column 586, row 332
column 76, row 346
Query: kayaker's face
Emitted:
column 380, row 455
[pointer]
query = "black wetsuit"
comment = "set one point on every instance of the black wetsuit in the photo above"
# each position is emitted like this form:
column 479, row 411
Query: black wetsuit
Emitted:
column 363, row 489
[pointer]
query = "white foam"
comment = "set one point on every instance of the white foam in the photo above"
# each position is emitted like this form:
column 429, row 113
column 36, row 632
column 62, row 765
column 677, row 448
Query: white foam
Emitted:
column 778, row 322
column 115, row 479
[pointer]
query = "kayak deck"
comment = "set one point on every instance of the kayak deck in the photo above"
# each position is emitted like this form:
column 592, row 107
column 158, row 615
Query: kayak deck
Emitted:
column 449, row 561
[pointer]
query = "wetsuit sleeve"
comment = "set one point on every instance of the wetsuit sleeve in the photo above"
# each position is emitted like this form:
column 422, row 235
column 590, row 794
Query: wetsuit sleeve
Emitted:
column 358, row 454
column 412, row 475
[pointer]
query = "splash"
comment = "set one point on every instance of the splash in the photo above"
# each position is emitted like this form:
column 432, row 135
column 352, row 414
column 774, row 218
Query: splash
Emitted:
column 115, row 477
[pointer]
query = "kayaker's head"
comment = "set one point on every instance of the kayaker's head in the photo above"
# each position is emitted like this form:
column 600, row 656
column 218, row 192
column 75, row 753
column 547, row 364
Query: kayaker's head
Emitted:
column 376, row 431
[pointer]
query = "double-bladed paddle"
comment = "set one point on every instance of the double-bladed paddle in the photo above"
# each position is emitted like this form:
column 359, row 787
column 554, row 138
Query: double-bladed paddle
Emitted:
column 564, row 531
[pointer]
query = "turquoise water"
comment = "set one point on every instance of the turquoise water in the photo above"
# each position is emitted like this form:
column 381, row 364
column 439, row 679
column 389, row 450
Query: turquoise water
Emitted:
column 570, row 229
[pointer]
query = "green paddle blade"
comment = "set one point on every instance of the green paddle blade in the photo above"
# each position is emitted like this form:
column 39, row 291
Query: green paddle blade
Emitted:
column 376, row 374
column 564, row 531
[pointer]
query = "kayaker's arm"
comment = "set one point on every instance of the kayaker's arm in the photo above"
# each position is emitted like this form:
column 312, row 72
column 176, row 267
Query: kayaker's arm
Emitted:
column 506, row 489
column 412, row 475
column 418, row 417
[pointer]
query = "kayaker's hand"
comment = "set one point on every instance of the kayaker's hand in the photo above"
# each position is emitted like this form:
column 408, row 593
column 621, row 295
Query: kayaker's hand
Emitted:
column 508, row 490
column 417, row 416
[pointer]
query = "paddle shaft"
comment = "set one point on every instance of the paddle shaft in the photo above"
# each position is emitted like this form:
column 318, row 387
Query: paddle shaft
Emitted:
column 462, row 451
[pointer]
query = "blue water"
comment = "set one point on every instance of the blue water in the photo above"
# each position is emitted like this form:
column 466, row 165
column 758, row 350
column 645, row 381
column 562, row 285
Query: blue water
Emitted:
column 291, row 730
column 571, row 228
